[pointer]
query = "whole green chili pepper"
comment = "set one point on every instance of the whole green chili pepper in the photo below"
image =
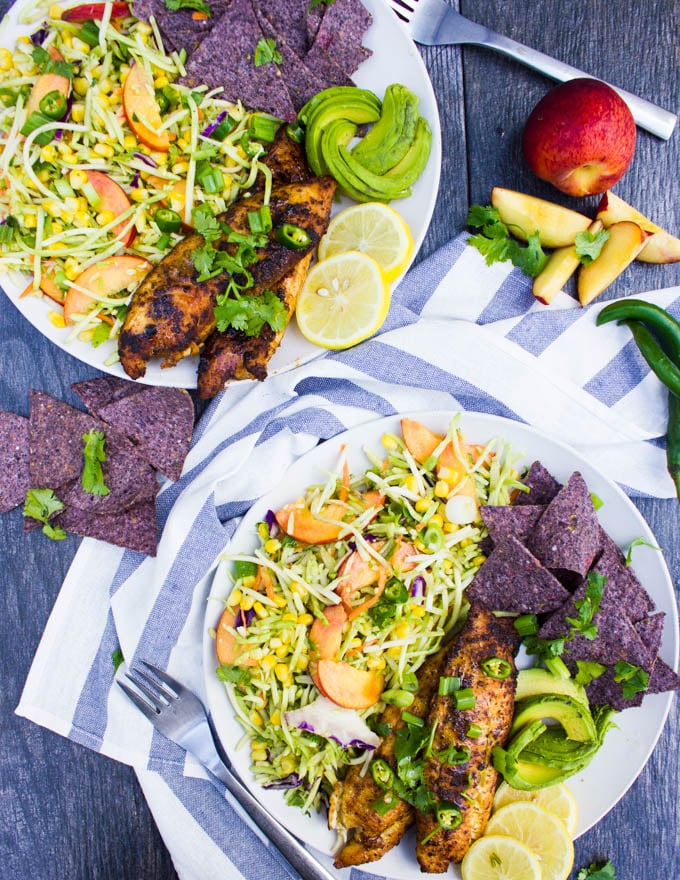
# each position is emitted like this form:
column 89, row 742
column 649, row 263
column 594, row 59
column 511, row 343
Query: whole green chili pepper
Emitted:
column 673, row 440
column 658, row 320
column 659, row 362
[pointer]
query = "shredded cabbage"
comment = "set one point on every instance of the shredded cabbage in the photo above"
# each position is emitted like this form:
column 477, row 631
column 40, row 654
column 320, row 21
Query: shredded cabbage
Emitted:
column 391, row 634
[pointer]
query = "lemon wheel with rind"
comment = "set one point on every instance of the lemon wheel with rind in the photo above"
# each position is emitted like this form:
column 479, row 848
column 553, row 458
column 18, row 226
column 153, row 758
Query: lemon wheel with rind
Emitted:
column 497, row 857
column 541, row 831
column 557, row 799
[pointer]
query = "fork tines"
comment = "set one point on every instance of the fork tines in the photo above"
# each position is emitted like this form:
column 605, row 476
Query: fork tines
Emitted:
column 404, row 9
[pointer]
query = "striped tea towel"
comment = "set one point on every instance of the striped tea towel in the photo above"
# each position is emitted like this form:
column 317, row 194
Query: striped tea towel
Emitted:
column 460, row 336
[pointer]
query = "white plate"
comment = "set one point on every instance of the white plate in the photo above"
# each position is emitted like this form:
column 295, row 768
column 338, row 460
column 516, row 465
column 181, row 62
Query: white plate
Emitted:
column 395, row 59
column 626, row 748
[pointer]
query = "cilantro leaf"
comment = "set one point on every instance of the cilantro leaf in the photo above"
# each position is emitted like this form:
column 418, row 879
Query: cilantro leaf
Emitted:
column 117, row 659
column 639, row 542
column 46, row 64
column 494, row 243
column 197, row 5
column 633, row 679
column 530, row 259
column 233, row 674
column 603, row 871
column 588, row 606
column 250, row 313
column 41, row 504
column 588, row 670
column 266, row 53
column 205, row 223
column 314, row 3
column 589, row 244
column 92, row 478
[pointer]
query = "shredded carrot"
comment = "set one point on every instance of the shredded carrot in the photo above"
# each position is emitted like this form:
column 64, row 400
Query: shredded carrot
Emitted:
column 343, row 494
column 264, row 577
column 356, row 612
column 199, row 16
column 28, row 289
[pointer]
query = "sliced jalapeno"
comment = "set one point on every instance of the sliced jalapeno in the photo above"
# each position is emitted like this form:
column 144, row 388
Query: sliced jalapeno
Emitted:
column 53, row 104
column 449, row 816
column 433, row 538
column 295, row 238
column 496, row 667
column 382, row 773
column 168, row 220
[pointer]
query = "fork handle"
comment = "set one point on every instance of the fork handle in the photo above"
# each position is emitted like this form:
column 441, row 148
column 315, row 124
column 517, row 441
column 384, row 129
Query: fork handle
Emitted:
column 297, row 856
column 647, row 115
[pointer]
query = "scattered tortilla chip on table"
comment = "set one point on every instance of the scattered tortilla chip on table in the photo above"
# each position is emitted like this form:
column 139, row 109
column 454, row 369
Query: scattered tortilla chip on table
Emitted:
column 15, row 478
column 134, row 528
column 96, row 393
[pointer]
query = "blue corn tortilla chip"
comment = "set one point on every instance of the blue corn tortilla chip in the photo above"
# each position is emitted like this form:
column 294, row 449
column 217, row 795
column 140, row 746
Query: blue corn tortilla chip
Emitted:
column 567, row 537
column 134, row 528
column 662, row 678
column 15, row 478
column 159, row 421
column 512, row 579
column 510, row 519
column 650, row 630
column 622, row 582
column 286, row 22
column 96, row 393
column 179, row 29
column 542, row 486
column 340, row 33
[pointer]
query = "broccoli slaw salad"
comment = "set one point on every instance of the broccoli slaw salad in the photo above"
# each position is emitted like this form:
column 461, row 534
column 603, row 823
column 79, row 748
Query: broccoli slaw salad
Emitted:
column 348, row 589
column 104, row 157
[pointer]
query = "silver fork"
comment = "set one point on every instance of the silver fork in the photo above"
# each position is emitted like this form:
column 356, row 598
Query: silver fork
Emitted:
column 180, row 716
column 436, row 23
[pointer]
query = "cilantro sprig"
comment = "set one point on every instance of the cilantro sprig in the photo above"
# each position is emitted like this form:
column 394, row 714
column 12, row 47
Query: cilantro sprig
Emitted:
column 266, row 52
column 589, row 244
column 587, row 607
column 92, row 478
column 196, row 5
column 43, row 504
column 494, row 243
column 46, row 64
column 595, row 871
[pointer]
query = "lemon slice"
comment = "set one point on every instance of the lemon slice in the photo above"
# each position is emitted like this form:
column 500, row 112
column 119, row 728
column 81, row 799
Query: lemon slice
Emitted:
column 541, row 831
column 344, row 299
column 493, row 857
column 558, row 799
column 374, row 229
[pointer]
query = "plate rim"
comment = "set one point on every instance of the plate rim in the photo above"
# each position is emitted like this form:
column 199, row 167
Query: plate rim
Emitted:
column 35, row 310
column 287, row 485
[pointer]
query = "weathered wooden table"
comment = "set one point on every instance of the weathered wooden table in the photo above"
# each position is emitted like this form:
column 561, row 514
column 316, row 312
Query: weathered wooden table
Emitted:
column 68, row 813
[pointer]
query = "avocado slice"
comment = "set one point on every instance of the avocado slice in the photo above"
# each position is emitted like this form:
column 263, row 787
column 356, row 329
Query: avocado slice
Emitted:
column 536, row 682
column 389, row 139
column 571, row 714
column 358, row 106
column 409, row 169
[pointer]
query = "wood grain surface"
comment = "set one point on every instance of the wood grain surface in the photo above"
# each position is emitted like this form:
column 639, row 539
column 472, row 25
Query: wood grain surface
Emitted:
column 68, row 814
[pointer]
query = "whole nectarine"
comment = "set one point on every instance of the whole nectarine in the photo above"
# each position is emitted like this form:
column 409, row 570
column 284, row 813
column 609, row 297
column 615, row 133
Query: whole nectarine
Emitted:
column 580, row 137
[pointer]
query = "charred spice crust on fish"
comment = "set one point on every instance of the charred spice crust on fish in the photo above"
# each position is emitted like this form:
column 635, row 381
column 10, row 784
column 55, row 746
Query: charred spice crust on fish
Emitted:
column 171, row 314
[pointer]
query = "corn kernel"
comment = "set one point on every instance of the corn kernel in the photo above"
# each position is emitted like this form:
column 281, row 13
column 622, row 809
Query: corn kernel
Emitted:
column 416, row 610
column 247, row 603
column 248, row 581
column 298, row 589
column 71, row 268
column 450, row 527
column 64, row 149
column 376, row 663
column 104, row 150
column 302, row 663
column 256, row 719
column 52, row 208
column 389, row 442
column 105, row 217
column 268, row 662
column 55, row 12
column 447, row 565
column 442, row 489
column 306, row 619
column 143, row 28
column 235, row 597
column 77, row 178
column 57, row 228
column 275, row 718
column 160, row 82
column 401, row 630
column 77, row 112
column 82, row 219
column 57, row 319
column 272, row 545
column 181, row 143
column 479, row 560
column 43, row 175
column 260, row 610
column 69, row 158
column 422, row 505
column 451, row 475
column 282, row 651
column 275, row 642
column 287, row 634
column 139, row 194
column 420, row 547
column 86, row 336
column 466, row 542
column 289, row 617
column 80, row 46
column 259, row 755
column 48, row 153
column 159, row 158
column 279, row 601
column 411, row 483
column 30, row 221
column 394, row 650
column 130, row 142
column 180, row 167
column 436, row 520
column 6, row 60
column 282, row 672
column 80, row 86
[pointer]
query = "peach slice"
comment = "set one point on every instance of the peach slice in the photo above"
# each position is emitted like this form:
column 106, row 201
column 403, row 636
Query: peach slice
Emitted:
column 524, row 214
column 326, row 638
column 348, row 686
column 660, row 247
column 356, row 572
column 142, row 111
column 49, row 286
column 561, row 265
column 420, row 441
column 400, row 559
column 298, row 521
column 103, row 279
column 46, row 83
column 626, row 240
column 226, row 647
column 114, row 199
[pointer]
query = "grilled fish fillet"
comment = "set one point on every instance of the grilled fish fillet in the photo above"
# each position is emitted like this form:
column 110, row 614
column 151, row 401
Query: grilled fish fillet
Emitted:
column 351, row 809
column 471, row 785
column 171, row 314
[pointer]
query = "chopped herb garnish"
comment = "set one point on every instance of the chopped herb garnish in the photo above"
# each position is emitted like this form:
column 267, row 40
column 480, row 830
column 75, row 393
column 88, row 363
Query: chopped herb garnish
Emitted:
column 266, row 53
column 589, row 244
column 251, row 313
column 633, row 679
column 41, row 504
column 196, row 5
column 494, row 243
column 117, row 658
column 638, row 542
column 233, row 674
column 46, row 64
column 92, row 478
column 595, row 871
column 588, row 606
column 587, row 671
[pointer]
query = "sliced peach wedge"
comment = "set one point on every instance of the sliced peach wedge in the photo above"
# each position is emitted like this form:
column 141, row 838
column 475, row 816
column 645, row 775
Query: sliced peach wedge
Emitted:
column 142, row 111
column 298, row 521
column 524, row 215
column 325, row 634
column 113, row 198
column 348, row 686
column 626, row 240
column 660, row 247
column 46, row 83
column 103, row 279
column 562, row 264
column 227, row 648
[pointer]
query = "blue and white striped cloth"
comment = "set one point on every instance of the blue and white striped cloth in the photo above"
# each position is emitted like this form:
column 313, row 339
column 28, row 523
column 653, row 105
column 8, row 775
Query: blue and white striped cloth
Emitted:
column 460, row 336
